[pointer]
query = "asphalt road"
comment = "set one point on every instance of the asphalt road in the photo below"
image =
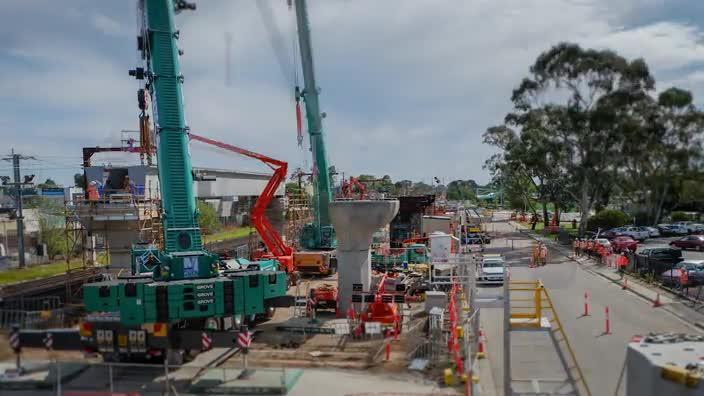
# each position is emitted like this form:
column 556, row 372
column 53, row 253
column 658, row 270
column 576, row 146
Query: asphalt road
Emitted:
column 600, row 355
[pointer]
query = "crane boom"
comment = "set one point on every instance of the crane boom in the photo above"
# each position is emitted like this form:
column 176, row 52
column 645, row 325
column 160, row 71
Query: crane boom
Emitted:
column 270, row 237
column 320, row 234
column 183, row 255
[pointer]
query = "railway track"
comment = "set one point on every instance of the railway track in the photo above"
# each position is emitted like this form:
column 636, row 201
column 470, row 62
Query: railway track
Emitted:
column 43, row 286
column 56, row 285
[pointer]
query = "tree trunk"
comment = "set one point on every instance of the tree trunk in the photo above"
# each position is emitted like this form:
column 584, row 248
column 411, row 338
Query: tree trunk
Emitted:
column 661, row 202
column 584, row 207
column 546, row 221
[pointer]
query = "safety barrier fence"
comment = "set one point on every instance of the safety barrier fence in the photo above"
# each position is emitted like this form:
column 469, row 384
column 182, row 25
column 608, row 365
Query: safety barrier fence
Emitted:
column 32, row 303
column 76, row 378
column 32, row 319
column 530, row 307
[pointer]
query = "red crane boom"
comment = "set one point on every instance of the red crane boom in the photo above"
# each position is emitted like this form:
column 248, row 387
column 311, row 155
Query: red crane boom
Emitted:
column 272, row 240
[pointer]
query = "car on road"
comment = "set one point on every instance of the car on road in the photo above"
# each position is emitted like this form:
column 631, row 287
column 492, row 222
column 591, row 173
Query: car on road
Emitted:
column 492, row 269
column 624, row 243
column 695, row 242
column 694, row 268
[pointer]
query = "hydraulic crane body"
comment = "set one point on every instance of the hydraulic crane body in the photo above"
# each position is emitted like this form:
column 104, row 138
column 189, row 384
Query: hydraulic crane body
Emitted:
column 320, row 234
column 317, row 239
column 182, row 297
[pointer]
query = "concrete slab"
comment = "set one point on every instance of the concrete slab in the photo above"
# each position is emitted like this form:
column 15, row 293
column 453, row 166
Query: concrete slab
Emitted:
column 260, row 382
column 37, row 375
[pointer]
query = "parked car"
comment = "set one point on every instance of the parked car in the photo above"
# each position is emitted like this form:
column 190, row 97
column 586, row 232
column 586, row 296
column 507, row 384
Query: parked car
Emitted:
column 656, row 260
column 694, row 268
column 671, row 229
column 603, row 242
column 631, row 231
column 689, row 225
column 652, row 231
column 697, row 228
column 695, row 242
column 624, row 243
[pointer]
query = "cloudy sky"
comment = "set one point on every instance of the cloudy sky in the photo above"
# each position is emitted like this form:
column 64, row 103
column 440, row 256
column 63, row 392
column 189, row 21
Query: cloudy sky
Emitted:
column 408, row 85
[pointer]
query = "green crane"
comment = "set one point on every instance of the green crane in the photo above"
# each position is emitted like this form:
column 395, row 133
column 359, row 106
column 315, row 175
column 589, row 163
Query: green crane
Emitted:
column 320, row 234
column 183, row 255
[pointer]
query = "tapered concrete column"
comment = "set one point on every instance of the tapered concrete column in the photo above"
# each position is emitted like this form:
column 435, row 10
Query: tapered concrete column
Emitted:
column 355, row 222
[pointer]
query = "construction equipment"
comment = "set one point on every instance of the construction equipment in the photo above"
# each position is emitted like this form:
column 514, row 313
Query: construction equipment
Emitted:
column 317, row 239
column 319, row 235
column 348, row 186
column 176, row 292
column 381, row 310
column 276, row 247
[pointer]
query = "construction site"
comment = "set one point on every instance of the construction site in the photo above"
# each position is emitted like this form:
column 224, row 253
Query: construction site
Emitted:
column 325, row 284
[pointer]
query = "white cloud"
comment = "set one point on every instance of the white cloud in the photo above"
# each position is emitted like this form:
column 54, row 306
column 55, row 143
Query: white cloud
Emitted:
column 109, row 26
column 408, row 86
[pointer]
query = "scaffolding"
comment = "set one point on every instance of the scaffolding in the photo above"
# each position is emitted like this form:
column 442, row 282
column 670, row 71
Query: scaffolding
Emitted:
column 297, row 214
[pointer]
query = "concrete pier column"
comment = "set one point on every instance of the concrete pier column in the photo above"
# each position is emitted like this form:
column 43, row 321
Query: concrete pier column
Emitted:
column 355, row 222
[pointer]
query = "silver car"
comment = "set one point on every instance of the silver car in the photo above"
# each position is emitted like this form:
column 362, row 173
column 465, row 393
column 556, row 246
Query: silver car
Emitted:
column 652, row 231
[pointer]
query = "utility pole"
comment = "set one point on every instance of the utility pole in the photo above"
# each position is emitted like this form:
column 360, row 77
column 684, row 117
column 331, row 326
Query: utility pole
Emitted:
column 15, row 158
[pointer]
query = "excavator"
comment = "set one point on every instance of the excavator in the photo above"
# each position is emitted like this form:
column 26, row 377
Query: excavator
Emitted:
column 276, row 247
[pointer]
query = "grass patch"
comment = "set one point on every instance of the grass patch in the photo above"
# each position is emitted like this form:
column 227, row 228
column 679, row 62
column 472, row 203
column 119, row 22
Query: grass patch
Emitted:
column 37, row 271
column 227, row 234
column 539, row 227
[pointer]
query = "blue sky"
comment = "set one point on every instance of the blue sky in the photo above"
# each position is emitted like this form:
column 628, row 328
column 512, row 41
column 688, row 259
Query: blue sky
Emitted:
column 408, row 85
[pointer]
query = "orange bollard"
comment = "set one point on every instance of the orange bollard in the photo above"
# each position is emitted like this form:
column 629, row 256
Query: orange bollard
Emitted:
column 388, row 350
column 607, row 329
column 481, row 354
column 586, row 304
column 656, row 302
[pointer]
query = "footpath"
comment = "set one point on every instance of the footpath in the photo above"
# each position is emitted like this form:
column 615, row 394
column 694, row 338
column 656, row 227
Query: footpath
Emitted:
column 685, row 309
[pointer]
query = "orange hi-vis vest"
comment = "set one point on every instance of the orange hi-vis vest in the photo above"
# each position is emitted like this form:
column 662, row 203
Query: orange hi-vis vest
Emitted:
column 684, row 277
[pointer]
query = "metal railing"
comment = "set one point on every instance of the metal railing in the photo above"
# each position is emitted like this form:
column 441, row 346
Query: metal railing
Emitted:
column 534, row 312
column 146, row 379
column 31, row 319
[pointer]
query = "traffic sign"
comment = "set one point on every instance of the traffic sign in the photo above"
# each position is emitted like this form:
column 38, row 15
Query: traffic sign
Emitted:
column 15, row 338
column 244, row 338
column 399, row 298
column 358, row 287
column 387, row 298
column 357, row 298
column 48, row 341
column 206, row 341
column 369, row 298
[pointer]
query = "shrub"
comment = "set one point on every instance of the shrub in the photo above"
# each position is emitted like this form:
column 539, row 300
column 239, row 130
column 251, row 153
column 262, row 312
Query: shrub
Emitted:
column 607, row 219
column 679, row 216
column 208, row 218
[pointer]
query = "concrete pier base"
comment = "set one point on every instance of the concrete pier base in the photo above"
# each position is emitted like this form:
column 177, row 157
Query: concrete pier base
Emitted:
column 355, row 222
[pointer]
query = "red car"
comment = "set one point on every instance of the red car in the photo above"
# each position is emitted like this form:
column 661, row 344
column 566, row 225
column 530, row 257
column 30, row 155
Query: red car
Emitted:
column 690, row 242
column 624, row 243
